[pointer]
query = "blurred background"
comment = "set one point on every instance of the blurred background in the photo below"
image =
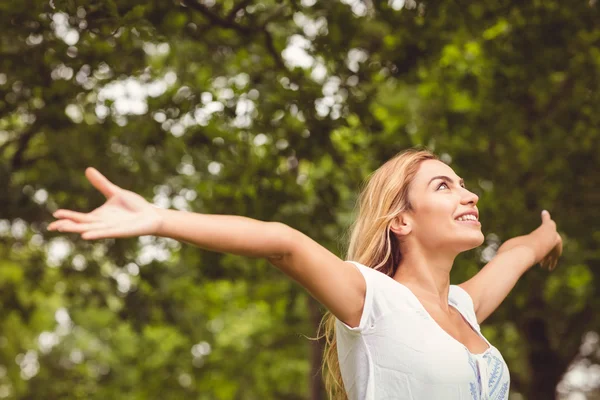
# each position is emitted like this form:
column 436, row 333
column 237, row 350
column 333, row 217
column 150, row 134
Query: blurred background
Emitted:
column 278, row 110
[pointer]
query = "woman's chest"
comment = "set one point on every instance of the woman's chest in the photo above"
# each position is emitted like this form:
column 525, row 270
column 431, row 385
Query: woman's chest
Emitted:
column 456, row 327
column 427, row 354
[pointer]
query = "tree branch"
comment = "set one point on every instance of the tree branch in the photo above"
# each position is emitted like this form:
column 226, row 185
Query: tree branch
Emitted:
column 278, row 11
column 217, row 19
column 270, row 43
column 23, row 142
column 6, row 144
column 240, row 6
column 228, row 23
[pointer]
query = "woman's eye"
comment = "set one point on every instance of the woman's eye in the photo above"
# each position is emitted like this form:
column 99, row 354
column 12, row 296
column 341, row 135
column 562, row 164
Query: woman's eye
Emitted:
column 442, row 184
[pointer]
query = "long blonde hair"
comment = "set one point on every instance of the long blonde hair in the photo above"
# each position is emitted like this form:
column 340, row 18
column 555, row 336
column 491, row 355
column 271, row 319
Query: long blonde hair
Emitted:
column 384, row 196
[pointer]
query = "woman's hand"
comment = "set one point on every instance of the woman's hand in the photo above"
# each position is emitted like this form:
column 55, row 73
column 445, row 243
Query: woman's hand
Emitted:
column 550, row 242
column 125, row 214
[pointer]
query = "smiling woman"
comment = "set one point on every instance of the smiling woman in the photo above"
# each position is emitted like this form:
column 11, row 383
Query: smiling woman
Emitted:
column 396, row 328
column 412, row 317
column 415, row 216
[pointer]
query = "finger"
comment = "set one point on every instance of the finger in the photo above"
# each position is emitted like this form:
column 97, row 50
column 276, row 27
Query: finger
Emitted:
column 549, row 263
column 75, row 216
column 556, row 250
column 545, row 262
column 560, row 244
column 74, row 227
column 100, row 182
column 103, row 234
column 545, row 216
column 551, row 260
column 55, row 225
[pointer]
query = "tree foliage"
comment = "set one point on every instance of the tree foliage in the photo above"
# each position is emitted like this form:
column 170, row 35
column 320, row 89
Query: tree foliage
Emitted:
column 277, row 110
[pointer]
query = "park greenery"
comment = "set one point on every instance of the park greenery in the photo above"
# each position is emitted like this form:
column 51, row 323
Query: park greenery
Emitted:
column 278, row 110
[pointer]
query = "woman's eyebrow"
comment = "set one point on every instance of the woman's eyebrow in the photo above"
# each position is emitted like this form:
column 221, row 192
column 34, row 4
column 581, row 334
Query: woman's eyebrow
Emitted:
column 446, row 179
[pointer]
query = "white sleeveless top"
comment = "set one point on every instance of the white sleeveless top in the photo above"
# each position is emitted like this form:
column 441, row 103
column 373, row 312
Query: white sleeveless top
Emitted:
column 399, row 352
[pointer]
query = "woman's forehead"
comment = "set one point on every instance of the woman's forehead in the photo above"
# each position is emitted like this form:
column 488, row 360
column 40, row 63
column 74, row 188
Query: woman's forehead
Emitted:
column 432, row 168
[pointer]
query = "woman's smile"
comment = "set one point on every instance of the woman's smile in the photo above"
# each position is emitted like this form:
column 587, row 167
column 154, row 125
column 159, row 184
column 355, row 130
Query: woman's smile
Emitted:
column 473, row 222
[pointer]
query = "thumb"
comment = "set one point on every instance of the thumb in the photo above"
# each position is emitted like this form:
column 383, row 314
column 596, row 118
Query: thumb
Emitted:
column 545, row 216
column 100, row 182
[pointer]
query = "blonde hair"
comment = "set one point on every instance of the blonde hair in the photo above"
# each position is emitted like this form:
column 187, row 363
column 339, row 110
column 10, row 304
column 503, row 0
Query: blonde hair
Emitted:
column 383, row 197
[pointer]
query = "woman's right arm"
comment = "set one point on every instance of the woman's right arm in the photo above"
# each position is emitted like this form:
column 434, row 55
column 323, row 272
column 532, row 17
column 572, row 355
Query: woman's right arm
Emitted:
column 336, row 284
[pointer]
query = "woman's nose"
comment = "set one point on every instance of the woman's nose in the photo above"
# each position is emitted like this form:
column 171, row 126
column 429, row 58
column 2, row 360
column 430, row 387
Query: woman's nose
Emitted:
column 469, row 197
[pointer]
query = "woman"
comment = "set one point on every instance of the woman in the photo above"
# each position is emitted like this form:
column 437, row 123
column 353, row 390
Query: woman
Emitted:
column 397, row 329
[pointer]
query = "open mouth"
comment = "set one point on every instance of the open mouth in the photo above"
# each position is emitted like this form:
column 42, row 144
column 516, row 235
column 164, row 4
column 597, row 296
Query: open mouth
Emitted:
column 469, row 219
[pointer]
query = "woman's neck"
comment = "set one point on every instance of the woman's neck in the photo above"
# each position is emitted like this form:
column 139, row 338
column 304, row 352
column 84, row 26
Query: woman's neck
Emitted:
column 426, row 274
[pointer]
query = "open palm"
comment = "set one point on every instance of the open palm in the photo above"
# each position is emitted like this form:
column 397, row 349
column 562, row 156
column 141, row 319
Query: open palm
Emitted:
column 124, row 214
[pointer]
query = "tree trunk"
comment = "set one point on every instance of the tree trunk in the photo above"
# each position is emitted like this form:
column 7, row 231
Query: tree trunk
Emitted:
column 546, row 366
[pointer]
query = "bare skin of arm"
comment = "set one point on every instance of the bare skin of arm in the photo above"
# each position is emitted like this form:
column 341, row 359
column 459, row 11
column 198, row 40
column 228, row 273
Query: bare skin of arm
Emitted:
column 490, row 286
column 336, row 284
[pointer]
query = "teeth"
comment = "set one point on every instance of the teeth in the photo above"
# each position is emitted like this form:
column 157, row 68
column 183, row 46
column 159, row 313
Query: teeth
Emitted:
column 468, row 217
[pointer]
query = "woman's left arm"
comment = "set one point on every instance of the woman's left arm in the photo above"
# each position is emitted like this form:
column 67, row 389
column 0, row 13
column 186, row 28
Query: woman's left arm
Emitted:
column 490, row 286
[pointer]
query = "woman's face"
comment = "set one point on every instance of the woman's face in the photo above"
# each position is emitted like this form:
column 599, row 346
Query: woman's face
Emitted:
column 444, row 213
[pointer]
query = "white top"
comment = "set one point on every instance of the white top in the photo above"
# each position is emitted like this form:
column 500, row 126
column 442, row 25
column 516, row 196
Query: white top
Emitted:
column 399, row 352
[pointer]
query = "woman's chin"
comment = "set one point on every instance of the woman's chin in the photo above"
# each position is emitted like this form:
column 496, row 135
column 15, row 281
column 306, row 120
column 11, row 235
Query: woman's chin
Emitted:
column 472, row 241
column 479, row 240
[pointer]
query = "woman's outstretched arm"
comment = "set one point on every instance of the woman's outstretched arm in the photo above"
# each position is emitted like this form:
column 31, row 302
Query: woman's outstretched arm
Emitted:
column 338, row 285
column 490, row 286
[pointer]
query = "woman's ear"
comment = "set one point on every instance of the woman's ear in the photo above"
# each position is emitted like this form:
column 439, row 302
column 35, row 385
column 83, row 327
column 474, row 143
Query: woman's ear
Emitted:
column 401, row 225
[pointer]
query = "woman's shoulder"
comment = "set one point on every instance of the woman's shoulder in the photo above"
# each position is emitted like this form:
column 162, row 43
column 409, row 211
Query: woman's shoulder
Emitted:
column 372, row 275
column 460, row 299
column 385, row 288
column 459, row 296
column 385, row 297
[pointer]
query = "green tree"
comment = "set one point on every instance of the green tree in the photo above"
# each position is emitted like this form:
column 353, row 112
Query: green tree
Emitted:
column 276, row 111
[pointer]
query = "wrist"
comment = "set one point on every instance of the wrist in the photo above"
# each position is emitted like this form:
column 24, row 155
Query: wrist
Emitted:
column 529, row 254
column 161, row 224
column 541, row 241
column 523, row 248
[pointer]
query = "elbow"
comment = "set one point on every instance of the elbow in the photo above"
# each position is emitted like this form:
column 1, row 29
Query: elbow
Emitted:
column 283, row 237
